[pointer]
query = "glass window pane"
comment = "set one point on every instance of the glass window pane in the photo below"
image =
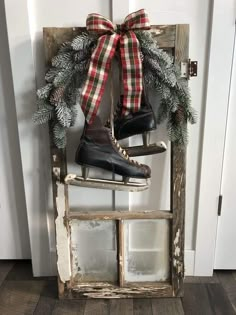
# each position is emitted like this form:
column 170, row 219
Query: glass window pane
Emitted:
column 94, row 256
column 146, row 250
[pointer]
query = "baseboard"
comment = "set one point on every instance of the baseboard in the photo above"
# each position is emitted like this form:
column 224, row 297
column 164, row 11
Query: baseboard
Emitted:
column 189, row 256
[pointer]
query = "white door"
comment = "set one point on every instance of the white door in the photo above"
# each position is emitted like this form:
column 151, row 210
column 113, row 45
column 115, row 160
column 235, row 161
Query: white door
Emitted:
column 14, row 233
column 225, row 255
column 35, row 14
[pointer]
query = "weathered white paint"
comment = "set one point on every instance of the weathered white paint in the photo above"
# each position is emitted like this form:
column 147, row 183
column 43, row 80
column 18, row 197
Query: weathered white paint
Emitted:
column 213, row 126
column 62, row 237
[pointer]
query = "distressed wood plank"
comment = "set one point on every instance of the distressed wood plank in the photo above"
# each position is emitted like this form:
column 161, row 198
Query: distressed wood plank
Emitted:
column 100, row 307
column 47, row 298
column 105, row 291
column 167, row 306
column 218, row 299
column 20, row 297
column 63, row 307
column 142, row 306
column 178, row 179
column 121, row 253
column 121, row 306
column 228, row 282
column 5, row 267
column 120, row 215
column 53, row 38
column 196, row 301
column 164, row 35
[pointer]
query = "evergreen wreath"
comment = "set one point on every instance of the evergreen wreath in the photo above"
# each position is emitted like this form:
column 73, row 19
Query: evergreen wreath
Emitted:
column 58, row 98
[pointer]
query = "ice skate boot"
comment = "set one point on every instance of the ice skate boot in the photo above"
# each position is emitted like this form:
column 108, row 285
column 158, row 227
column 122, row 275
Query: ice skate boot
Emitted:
column 141, row 122
column 99, row 149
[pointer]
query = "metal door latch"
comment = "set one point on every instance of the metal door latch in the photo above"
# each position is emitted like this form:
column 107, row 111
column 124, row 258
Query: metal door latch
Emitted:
column 188, row 69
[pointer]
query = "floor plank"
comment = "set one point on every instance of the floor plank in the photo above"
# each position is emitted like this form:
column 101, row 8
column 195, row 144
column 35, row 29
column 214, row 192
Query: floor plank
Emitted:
column 48, row 298
column 191, row 279
column 69, row 307
column 167, row 306
column 98, row 307
column 142, row 306
column 20, row 297
column 196, row 300
column 22, row 271
column 219, row 301
column 5, row 267
column 228, row 282
column 121, row 306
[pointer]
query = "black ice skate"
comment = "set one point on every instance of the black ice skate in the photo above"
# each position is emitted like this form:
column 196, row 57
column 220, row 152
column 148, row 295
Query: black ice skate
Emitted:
column 141, row 122
column 99, row 149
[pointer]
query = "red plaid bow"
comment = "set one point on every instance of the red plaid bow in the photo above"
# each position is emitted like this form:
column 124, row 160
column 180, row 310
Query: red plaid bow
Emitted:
column 101, row 61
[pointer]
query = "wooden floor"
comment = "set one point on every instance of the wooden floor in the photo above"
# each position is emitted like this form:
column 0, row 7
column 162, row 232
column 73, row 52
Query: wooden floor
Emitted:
column 21, row 293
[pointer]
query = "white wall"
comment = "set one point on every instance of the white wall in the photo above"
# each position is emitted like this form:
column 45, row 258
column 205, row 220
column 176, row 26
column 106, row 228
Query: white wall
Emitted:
column 14, row 234
column 72, row 13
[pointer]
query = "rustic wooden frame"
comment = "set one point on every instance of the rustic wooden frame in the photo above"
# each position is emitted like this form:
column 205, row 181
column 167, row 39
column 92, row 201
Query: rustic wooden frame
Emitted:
column 176, row 39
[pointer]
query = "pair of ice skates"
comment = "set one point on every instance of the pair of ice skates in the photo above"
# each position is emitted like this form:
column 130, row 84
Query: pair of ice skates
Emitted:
column 99, row 148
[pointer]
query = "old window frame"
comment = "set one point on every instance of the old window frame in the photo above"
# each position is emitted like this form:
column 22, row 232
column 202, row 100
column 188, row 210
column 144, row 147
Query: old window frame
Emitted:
column 170, row 37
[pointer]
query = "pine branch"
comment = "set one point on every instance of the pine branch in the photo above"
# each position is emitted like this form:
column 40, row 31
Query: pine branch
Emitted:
column 43, row 114
column 63, row 114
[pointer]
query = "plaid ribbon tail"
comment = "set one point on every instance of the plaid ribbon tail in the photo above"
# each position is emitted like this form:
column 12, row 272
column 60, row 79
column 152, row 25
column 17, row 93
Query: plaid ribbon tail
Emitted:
column 132, row 72
column 97, row 75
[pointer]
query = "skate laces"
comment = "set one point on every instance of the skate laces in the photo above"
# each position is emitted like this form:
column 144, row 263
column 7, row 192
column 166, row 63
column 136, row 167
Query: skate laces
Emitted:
column 123, row 152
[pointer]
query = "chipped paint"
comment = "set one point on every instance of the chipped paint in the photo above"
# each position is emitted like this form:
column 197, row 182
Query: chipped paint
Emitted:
column 177, row 263
column 177, row 236
column 62, row 239
column 56, row 171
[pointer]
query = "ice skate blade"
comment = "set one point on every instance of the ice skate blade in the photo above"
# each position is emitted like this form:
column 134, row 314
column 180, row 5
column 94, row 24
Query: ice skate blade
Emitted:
column 73, row 179
column 141, row 150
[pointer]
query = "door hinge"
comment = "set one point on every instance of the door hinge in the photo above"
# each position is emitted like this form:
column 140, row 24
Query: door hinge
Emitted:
column 188, row 69
column 220, row 204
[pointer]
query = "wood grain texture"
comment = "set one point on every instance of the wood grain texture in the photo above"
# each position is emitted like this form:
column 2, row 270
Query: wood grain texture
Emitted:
column 121, row 306
column 167, row 306
column 195, row 300
column 191, row 279
column 53, row 38
column 120, row 215
column 5, row 267
column 102, row 290
column 121, row 253
column 142, row 306
column 38, row 296
column 97, row 307
column 218, row 299
column 20, row 297
column 47, row 298
column 63, row 307
column 164, row 35
column 21, row 271
column 228, row 282
column 178, row 181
